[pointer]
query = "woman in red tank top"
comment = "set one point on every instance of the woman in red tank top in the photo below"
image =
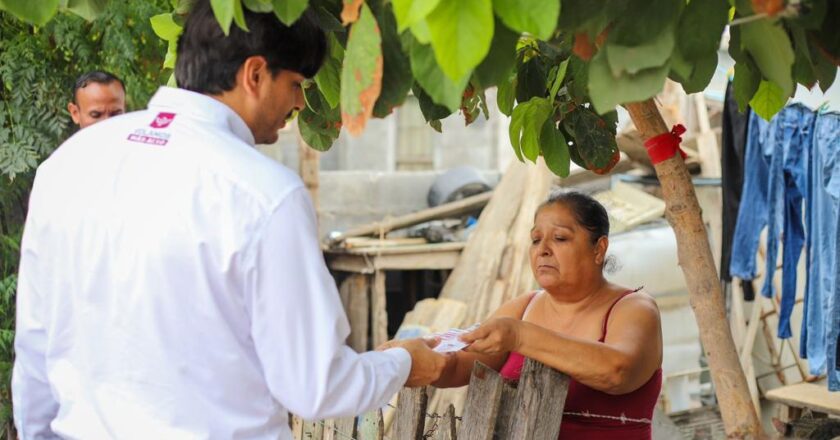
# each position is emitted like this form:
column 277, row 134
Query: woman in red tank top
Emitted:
column 607, row 338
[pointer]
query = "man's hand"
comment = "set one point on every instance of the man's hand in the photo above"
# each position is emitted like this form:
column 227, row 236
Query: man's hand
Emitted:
column 496, row 336
column 426, row 364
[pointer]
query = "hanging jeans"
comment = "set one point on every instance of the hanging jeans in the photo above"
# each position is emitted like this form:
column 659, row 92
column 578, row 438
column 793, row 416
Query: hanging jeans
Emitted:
column 752, row 213
column 789, row 146
column 821, row 318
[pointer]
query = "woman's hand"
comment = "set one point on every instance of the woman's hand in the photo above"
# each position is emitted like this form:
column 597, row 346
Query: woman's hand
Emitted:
column 496, row 336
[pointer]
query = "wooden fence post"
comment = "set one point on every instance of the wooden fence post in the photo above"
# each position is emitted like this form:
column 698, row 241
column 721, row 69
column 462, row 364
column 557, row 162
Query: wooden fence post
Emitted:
column 371, row 426
column 482, row 405
column 540, row 398
column 446, row 427
column 411, row 414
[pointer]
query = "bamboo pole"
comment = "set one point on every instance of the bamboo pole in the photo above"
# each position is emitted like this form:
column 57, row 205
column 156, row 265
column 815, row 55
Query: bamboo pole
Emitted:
column 698, row 266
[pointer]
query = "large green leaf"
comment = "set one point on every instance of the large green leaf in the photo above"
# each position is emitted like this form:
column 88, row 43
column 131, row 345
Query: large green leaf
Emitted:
column 239, row 15
column 396, row 77
column 224, row 10
column 442, row 90
column 259, row 5
column 632, row 59
column 536, row 17
column 37, row 12
column 579, row 76
column 500, row 60
column 643, row 21
column 768, row 100
column 825, row 70
column 319, row 125
column 288, row 11
column 361, row 74
column 328, row 77
column 770, row 47
column 165, row 27
column 409, row 12
column 554, row 148
column 701, row 26
column 526, row 127
column 693, row 75
column 531, row 80
column 745, row 84
column 589, row 16
column 803, row 67
column 608, row 91
column 461, row 33
column 87, row 9
column 595, row 139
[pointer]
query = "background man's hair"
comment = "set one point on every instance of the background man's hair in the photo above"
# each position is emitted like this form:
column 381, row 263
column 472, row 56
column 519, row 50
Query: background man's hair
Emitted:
column 96, row 76
column 208, row 60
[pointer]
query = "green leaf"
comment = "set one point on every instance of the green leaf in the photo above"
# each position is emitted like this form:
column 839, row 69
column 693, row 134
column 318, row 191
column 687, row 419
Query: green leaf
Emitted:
column 427, row 72
column 579, row 76
column 409, row 12
column 421, row 32
column 770, row 47
column 500, row 60
column 745, row 84
column 595, row 139
column 526, row 127
column 825, row 70
column 361, row 74
column 768, row 100
column 87, row 9
column 165, row 27
column 396, row 76
column 559, row 76
column 223, row 10
column 431, row 111
column 239, row 15
column 328, row 77
column 328, row 22
column 536, row 17
column 555, row 150
column 171, row 55
column 531, row 80
column 589, row 16
column 803, row 67
column 699, row 74
column 288, row 11
column 632, row 59
column 37, row 12
column 701, row 26
column 319, row 125
column 461, row 33
column 608, row 91
column 506, row 94
column 259, row 5
column 643, row 21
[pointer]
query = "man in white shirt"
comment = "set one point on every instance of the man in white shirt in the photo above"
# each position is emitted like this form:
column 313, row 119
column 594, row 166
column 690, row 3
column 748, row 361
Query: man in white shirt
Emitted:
column 171, row 282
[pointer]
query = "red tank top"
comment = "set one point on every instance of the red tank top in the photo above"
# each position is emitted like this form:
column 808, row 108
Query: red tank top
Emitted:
column 592, row 414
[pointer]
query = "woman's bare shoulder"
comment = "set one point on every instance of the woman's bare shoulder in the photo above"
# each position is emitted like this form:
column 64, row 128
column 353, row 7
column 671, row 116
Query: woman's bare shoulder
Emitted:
column 515, row 307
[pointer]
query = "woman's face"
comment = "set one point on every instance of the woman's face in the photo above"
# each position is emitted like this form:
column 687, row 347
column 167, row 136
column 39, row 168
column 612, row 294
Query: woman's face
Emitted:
column 562, row 252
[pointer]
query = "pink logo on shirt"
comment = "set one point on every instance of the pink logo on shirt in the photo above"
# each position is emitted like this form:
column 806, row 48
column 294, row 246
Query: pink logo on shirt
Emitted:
column 162, row 120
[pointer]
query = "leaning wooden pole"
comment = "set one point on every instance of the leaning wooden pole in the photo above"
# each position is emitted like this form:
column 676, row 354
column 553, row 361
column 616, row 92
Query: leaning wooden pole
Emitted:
column 698, row 266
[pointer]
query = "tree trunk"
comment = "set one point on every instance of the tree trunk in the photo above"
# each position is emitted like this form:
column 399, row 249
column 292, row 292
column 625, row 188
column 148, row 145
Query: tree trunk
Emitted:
column 695, row 255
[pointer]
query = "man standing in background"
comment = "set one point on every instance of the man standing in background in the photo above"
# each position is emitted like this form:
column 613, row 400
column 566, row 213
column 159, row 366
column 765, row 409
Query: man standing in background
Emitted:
column 97, row 96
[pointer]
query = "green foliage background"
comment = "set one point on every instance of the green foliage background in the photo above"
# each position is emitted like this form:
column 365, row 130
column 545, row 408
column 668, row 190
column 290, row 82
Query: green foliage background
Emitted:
column 38, row 66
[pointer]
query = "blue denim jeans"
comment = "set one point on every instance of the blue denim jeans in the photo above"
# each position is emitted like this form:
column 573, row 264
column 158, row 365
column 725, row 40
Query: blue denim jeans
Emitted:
column 752, row 213
column 822, row 300
column 789, row 148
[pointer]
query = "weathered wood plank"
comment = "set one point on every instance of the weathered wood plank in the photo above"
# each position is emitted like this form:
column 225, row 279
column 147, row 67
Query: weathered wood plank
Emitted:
column 540, row 398
column 358, row 310
column 312, row 430
column 446, row 428
column 371, row 426
column 379, row 309
column 342, row 429
column 411, row 413
column 296, row 424
column 507, row 407
column 482, row 403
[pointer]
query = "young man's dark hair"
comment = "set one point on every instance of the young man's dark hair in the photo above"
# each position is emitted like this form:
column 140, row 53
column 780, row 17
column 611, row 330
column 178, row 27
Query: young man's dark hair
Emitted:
column 208, row 60
column 96, row 77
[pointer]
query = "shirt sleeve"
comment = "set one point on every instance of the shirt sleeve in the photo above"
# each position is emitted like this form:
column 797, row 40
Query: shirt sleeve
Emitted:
column 34, row 406
column 299, row 327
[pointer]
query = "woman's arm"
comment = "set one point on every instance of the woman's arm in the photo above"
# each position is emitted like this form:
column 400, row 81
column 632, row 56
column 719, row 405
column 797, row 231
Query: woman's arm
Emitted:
column 460, row 364
column 626, row 360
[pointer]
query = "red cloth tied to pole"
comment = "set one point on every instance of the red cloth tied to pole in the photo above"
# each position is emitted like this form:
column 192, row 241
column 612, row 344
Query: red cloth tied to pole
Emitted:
column 665, row 145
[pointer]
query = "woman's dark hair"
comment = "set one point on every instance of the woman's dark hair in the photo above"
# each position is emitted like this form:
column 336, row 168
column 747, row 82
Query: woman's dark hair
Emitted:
column 208, row 60
column 588, row 212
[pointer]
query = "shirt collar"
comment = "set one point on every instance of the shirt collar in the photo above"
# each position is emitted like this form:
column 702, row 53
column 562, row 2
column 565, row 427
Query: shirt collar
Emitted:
column 198, row 106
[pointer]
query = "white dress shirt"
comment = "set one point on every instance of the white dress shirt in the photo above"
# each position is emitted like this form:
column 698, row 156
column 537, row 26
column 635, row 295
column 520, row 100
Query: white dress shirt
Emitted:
column 172, row 287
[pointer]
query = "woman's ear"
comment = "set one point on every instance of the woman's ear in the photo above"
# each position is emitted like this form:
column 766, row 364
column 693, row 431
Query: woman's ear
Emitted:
column 601, row 250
